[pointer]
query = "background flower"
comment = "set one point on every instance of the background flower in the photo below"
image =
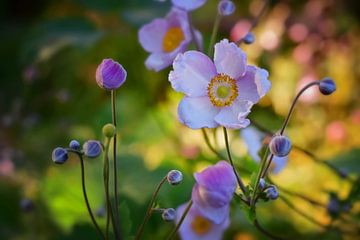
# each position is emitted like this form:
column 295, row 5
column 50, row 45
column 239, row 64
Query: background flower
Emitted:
column 188, row 5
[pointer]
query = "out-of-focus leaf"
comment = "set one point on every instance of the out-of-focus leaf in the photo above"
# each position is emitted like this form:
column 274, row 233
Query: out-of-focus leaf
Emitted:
column 348, row 162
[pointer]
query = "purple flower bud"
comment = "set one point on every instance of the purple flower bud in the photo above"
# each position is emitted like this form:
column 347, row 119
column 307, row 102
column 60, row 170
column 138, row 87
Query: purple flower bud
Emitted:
column 280, row 146
column 174, row 177
column 262, row 184
column 92, row 148
column 226, row 7
column 74, row 144
column 249, row 38
column 272, row 192
column 110, row 75
column 169, row 215
column 327, row 86
column 59, row 155
column 101, row 212
column 333, row 206
column 27, row 205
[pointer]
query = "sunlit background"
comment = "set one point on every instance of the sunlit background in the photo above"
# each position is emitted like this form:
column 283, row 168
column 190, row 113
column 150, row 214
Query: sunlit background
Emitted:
column 49, row 54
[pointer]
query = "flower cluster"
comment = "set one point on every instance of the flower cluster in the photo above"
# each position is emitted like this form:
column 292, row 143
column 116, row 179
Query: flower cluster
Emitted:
column 209, row 215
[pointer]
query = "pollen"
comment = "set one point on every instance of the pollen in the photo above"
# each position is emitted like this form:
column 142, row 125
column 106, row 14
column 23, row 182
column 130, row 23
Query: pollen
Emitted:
column 200, row 225
column 172, row 39
column 222, row 90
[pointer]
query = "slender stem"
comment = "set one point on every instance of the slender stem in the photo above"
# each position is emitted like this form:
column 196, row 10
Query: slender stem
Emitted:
column 241, row 184
column 256, row 19
column 149, row 209
column 178, row 225
column 193, row 35
column 268, row 165
column 113, row 111
column 109, row 209
column 214, row 33
column 262, row 164
column 264, row 231
column 294, row 103
column 207, row 141
column 86, row 198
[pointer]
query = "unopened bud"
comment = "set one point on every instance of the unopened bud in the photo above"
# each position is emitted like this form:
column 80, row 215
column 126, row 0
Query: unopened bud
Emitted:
column 327, row 86
column 75, row 145
column 92, row 148
column 169, row 214
column 262, row 184
column 59, row 155
column 226, row 7
column 109, row 130
column 249, row 38
column 280, row 146
column 174, row 177
column 272, row 192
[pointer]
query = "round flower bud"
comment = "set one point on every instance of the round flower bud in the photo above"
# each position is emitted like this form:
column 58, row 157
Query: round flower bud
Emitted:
column 169, row 214
column 92, row 148
column 59, row 155
column 272, row 192
column 249, row 38
column 109, row 130
column 27, row 205
column 280, row 146
column 226, row 7
column 74, row 144
column 262, row 184
column 174, row 177
column 327, row 86
column 100, row 212
column 110, row 75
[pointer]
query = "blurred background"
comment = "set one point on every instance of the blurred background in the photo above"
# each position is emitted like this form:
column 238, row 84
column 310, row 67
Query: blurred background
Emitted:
column 48, row 96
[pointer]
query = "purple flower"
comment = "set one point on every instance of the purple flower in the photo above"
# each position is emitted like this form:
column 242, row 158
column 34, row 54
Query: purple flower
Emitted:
column 220, row 93
column 164, row 38
column 110, row 75
column 253, row 139
column 197, row 227
column 214, row 190
column 188, row 5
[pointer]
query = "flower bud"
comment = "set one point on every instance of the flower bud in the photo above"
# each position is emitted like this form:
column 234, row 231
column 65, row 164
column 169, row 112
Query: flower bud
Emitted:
column 169, row 214
column 110, row 75
column 100, row 212
column 280, row 146
column 92, row 148
column 109, row 130
column 262, row 184
column 59, row 155
column 74, row 144
column 327, row 86
column 226, row 7
column 249, row 38
column 27, row 205
column 272, row 192
column 174, row 177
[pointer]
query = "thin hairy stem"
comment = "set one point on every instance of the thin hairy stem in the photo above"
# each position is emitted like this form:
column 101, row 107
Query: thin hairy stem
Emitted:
column 207, row 141
column 86, row 197
column 116, row 207
column 178, row 225
column 241, row 184
column 213, row 34
column 149, row 209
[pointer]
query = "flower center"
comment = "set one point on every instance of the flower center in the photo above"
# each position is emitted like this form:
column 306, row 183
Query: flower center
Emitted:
column 200, row 225
column 172, row 39
column 222, row 90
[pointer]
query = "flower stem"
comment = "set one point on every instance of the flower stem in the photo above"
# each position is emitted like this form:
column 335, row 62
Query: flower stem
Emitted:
column 113, row 111
column 214, row 33
column 193, row 35
column 264, row 231
column 262, row 165
column 241, row 184
column 178, row 225
column 149, row 209
column 86, row 198
column 207, row 141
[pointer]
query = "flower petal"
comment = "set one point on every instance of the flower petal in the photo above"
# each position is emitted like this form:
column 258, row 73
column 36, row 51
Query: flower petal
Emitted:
column 253, row 140
column 188, row 5
column 151, row 35
column 248, row 89
column 279, row 164
column 262, row 81
column 192, row 73
column 197, row 112
column 159, row 61
column 229, row 59
column 234, row 116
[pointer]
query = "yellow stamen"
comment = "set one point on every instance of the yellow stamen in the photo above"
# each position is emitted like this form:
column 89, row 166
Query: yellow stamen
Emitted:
column 172, row 39
column 222, row 90
column 200, row 225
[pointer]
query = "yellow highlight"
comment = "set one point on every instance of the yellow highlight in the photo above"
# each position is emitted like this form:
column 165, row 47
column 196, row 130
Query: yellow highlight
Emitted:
column 200, row 225
column 172, row 39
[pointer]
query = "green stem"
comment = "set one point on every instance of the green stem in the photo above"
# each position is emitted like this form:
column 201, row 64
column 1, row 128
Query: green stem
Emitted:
column 113, row 111
column 86, row 198
column 207, row 141
column 241, row 184
column 193, row 35
column 214, row 33
column 149, row 209
column 264, row 231
column 178, row 225
column 262, row 165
